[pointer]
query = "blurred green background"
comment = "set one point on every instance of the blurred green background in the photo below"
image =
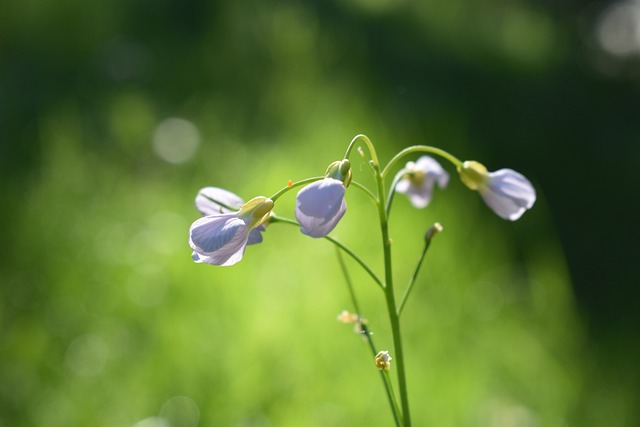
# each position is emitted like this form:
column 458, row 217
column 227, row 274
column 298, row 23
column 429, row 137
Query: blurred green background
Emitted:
column 114, row 113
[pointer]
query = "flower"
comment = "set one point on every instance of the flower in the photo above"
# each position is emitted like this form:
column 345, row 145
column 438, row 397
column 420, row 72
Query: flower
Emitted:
column 508, row 193
column 213, row 200
column 319, row 207
column 419, row 178
column 383, row 361
column 221, row 239
column 354, row 319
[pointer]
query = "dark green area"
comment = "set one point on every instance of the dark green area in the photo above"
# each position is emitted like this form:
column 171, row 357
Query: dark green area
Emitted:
column 106, row 321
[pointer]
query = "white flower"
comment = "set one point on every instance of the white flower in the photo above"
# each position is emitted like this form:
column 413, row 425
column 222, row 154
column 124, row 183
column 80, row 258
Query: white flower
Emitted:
column 508, row 193
column 419, row 178
column 383, row 361
column 319, row 207
column 214, row 200
column 221, row 239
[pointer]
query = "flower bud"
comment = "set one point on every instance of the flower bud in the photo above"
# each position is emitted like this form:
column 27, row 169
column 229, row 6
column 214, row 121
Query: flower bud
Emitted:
column 432, row 231
column 473, row 174
column 257, row 209
column 340, row 170
column 383, row 361
column 507, row 192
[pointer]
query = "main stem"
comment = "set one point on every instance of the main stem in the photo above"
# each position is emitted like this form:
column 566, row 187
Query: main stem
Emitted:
column 391, row 299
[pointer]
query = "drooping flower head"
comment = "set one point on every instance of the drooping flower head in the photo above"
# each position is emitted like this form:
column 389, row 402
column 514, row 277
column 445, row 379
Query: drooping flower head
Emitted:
column 214, row 200
column 508, row 193
column 419, row 178
column 221, row 239
column 321, row 205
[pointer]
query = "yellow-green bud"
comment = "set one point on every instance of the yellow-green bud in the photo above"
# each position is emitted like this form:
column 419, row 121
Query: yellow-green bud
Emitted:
column 258, row 209
column 340, row 170
column 432, row 231
column 473, row 174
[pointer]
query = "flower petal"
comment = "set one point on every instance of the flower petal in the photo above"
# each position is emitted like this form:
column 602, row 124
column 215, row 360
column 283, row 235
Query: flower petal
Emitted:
column 508, row 193
column 255, row 235
column 219, row 239
column 320, row 227
column 422, row 176
column 320, row 206
column 432, row 168
column 209, row 207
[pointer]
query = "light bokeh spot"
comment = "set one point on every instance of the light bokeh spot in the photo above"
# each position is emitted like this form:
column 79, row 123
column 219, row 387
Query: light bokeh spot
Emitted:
column 87, row 355
column 618, row 29
column 180, row 411
column 176, row 140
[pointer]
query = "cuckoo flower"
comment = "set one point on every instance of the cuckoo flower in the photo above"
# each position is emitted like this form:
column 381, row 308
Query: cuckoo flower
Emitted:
column 221, row 239
column 508, row 193
column 321, row 205
column 213, row 200
column 419, row 178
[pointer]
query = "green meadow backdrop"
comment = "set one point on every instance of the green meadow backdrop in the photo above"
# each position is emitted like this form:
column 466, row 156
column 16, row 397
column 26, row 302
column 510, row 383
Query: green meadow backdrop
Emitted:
column 114, row 114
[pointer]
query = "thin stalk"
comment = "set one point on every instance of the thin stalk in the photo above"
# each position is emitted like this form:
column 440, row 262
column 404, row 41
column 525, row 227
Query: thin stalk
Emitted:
column 392, row 192
column 356, row 258
column 421, row 149
column 395, row 410
column 294, row 185
column 347, row 278
column 366, row 191
column 389, row 385
column 427, row 243
column 394, row 319
column 367, row 141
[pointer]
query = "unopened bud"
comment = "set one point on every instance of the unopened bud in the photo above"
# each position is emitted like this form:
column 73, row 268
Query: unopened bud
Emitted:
column 473, row 174
column 383, row 361
column 432, row 231
column 340, row 170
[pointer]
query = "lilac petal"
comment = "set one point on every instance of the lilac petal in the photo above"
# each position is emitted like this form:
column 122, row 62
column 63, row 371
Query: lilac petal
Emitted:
column 504, row 207
column 219, row 239
column 208, row 207
column 434, row 170
column 320, row 206
column 222, row 261
column 509, row 194
column 321, row 199
column 420, row 195
column 320, row 227
column 255, row 235
column 403, row 186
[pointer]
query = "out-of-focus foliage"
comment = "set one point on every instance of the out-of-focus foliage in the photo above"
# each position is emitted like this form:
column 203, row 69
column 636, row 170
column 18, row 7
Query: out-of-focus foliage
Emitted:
column 114, row 114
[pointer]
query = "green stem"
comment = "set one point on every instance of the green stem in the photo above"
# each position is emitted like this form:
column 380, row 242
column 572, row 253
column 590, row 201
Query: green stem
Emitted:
column 421, row 149
column 395, row 410
column 347, row 277
column 390, row 298
column 294, row 185
column 392, row 192
column 427, row 243
column 369, row 144
column 366, row 191
column 356, row 258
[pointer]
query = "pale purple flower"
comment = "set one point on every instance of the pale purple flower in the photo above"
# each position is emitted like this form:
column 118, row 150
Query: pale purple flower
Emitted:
column 419, row 178
column 206, row 204
column 319, row 207
column 508, row 193
column 221, row 239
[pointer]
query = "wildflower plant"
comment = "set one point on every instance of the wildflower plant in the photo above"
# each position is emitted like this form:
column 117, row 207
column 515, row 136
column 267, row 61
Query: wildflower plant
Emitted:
column 229, row 225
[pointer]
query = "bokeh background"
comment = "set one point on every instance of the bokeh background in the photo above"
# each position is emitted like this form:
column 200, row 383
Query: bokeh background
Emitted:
column 114, row 113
